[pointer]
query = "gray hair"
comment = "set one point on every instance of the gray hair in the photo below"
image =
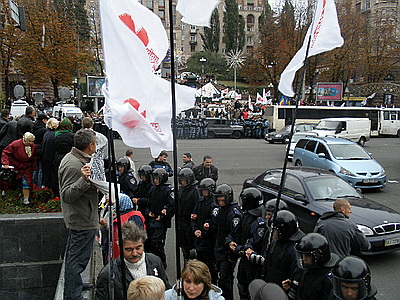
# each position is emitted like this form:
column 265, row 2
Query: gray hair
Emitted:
column 132, row 232
column 52, row 123
column 83, row 138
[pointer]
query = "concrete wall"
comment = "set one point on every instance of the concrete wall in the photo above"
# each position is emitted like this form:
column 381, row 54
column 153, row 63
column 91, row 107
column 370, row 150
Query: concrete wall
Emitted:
column 32, row 247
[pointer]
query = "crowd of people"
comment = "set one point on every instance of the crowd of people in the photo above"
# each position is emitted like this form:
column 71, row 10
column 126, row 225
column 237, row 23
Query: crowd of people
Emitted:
column 215, row 232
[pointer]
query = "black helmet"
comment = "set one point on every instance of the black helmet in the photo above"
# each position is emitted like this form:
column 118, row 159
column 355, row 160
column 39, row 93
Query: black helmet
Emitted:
column 271, row 204
column 351, row 273
column 124, row 162
column 145, row 170
column 226, row 191
column 285, row 224
column 312, row 251
column 207, row 184
column 187, row 173
column 251, row 198
column 161, row 174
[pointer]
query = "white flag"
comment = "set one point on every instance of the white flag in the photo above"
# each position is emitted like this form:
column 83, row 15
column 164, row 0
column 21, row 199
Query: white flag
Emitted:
column 325, row 36
column 138, row 101
column 196, row 12
column 264, row 97
column 268, row 94
column 250, row 104
column 259, row 99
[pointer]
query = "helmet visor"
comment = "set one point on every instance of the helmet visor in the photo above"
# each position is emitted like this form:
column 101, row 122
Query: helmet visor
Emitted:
column 307, row 259
column 349, row 289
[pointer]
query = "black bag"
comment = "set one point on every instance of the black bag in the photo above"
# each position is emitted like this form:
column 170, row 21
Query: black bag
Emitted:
column 8, row 175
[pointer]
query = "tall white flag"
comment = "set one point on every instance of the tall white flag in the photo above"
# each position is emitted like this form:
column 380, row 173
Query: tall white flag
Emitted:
column 138, row 101
column 250, row 104
column 259, row 99
column 325, row 36
column 264, row 97
column 196, row 12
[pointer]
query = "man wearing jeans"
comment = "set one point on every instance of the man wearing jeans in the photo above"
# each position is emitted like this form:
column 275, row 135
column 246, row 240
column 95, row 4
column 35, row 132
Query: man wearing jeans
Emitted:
column 79, row 204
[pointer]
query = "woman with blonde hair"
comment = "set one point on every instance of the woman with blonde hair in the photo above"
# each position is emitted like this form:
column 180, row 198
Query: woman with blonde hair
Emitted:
column 196, row 283
column 146, row 288
column 48, row 153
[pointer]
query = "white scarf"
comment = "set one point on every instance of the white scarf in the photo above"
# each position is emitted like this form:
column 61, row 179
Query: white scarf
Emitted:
column 137, row 269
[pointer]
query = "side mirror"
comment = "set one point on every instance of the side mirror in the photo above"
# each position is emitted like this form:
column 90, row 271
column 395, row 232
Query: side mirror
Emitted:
column 321, row 155
column 300, row 197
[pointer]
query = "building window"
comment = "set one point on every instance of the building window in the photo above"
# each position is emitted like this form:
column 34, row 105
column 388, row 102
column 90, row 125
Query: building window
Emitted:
column 192, row 48
column 161, row 14
column 183, row 48
column 183, row 26
column 367, row 4
column 249, row 40
column 250, row 19
column 192, row 38
column 250, row 28
column 161, row 3
column 183, row 37
column 358, row 7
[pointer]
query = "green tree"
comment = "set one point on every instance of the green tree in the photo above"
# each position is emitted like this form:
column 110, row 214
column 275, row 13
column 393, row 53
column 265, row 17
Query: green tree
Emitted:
column 215, row 64
column 75, row 12
column 233, row 27
column 50, row 48
column 211, row 35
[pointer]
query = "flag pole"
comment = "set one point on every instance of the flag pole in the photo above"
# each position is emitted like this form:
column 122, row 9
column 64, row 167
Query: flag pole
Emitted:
column 294, row 116
column 175, row 148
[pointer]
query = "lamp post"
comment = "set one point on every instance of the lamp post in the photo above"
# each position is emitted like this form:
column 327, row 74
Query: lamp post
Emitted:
column 235, row 59
column 202, row 60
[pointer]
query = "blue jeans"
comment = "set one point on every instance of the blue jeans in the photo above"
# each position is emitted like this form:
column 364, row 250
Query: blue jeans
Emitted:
column 77, row 256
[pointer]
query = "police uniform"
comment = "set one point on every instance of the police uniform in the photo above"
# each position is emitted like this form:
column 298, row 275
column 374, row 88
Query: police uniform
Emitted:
column 128, row 183
column 188, row 197
column 160, row 197
column 226, row 220
column 315, row 284
column 204, row 245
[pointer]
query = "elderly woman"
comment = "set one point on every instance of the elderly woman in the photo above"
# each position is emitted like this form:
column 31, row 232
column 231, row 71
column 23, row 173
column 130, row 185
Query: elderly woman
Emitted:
column 196, row 281
column 22, row 155
column 48, row 154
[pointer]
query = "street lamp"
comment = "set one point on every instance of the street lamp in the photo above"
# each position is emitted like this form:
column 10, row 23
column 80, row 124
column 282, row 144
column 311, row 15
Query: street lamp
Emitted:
column 202, row 60
column 235, row 59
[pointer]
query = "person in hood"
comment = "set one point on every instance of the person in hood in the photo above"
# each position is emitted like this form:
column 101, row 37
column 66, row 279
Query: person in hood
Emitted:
column 342, row 234
column 195, row 284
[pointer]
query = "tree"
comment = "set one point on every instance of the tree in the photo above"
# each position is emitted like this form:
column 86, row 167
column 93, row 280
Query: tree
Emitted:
column 233, row 27
column 215, row 64
column 211, row 35
column 50, row 48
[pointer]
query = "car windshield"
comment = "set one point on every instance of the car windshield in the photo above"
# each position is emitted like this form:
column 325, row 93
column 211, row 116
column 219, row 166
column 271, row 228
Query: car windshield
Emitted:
column 327, row 125
column 330, row 187
column 349, row 152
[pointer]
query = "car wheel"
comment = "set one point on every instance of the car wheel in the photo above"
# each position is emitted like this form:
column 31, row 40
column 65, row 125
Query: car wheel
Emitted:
column 362, row 141
column 236, row 135
column 286, row 140
column 298, row 163
column 211, row 134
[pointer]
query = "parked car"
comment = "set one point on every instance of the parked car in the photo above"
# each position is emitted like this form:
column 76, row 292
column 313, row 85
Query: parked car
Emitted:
column 295, row 138
column 342, row 157
column 282, row 136
column 223, row 127
column 310, row 192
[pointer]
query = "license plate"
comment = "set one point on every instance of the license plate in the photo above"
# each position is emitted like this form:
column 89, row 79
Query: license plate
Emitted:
column 391, row 242
column 269, row 139
column 370, row 180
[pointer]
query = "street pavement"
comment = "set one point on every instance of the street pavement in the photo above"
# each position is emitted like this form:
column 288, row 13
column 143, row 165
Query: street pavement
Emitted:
column 240, row 159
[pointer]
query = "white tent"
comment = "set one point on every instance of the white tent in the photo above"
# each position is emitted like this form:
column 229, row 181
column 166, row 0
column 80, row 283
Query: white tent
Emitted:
column 208, row 91
column 233, row 95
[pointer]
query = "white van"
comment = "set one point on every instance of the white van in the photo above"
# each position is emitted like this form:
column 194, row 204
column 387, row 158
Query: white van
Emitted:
column 67, row 110
column 354, row 129
column 18, row 108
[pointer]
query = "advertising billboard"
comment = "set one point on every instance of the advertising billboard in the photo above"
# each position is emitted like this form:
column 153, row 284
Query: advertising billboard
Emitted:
column 94, row 84
column 329, row 91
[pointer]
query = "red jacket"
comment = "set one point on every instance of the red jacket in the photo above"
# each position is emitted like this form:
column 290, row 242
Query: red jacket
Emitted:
column 15, row 155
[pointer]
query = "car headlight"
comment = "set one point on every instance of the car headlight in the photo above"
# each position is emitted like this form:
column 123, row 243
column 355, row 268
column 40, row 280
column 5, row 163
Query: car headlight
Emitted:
column 346, row 172
column 365, row 230
column 278, row 135
column 383, row 172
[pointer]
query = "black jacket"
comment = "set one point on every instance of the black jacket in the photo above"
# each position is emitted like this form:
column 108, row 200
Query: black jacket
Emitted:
column 25, row 124
column 154, row 267
column 8, row 134
column 343, row 235
column 200, row 173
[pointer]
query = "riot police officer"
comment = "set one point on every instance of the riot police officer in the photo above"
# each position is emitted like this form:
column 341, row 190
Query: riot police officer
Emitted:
column 315, row 259
column 159, row 213
column 126, row 178
column 352, row 280
column 201, row 225
column 141, row 196
column 251, row 228
column 280, row 255
column 188, row 197
column 226, row 218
